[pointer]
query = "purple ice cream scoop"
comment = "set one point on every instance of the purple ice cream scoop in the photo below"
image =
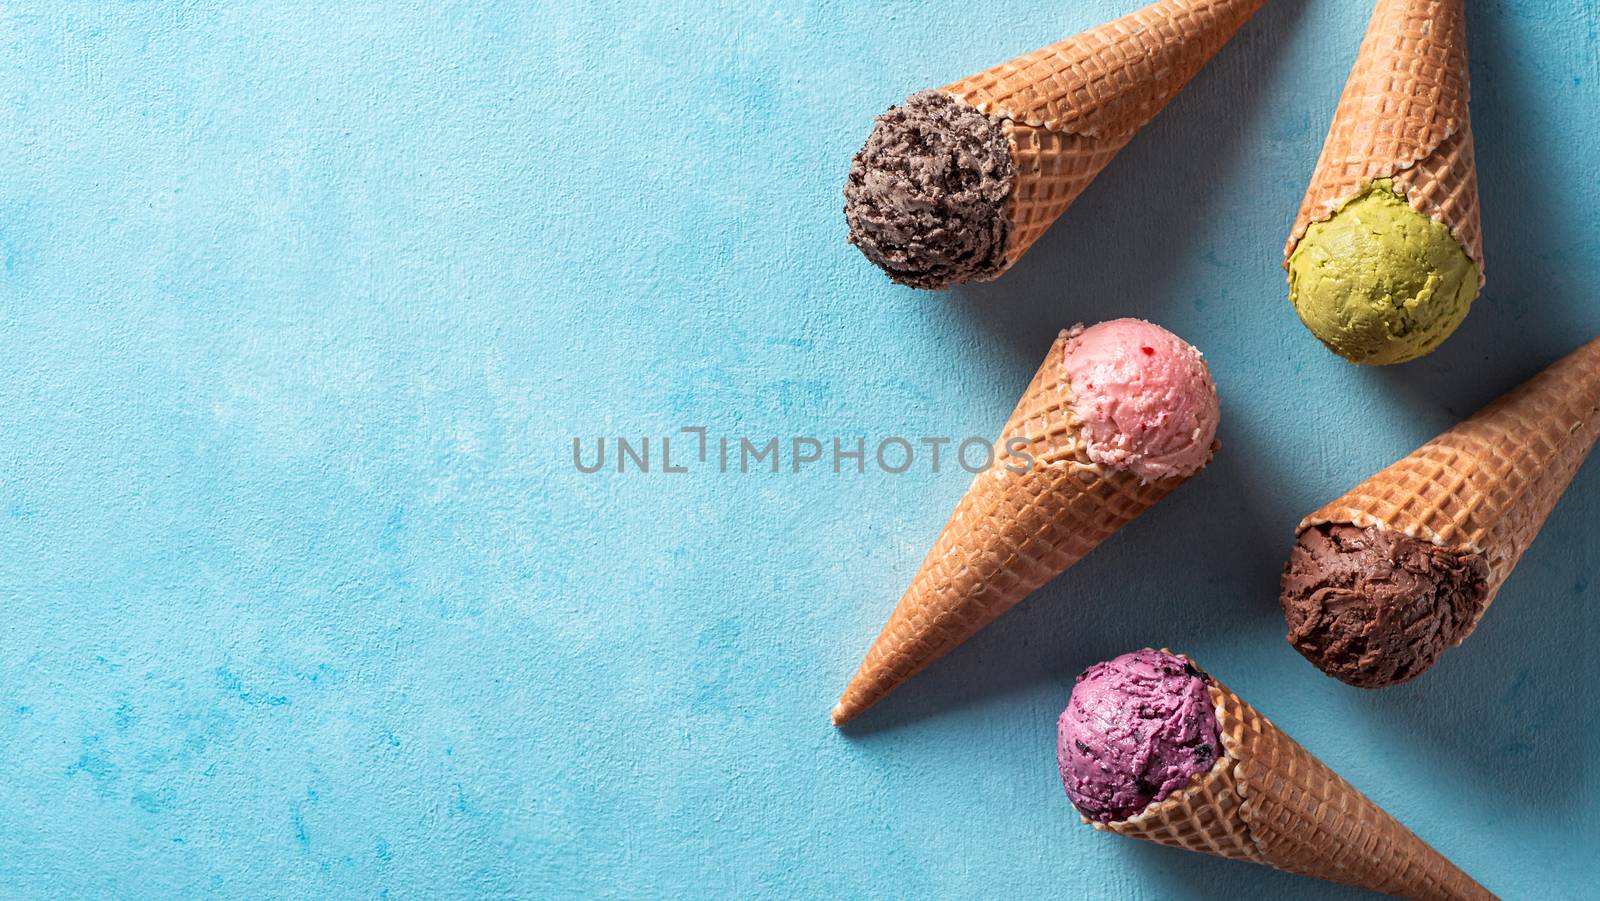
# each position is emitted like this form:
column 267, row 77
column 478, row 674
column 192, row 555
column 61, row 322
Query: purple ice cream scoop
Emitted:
column 1137, row 729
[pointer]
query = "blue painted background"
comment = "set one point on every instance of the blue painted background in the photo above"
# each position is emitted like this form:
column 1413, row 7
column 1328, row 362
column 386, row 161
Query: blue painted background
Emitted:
column 301, row 594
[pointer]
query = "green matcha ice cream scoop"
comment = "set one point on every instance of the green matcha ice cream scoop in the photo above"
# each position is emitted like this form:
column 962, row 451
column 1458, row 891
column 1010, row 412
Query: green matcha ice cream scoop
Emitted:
column 1379, row 282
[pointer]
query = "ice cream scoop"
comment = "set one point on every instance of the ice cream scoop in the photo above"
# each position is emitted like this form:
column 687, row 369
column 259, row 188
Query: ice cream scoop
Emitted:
column 926, row 198
column 1376, row 607
column 1379, row 282
column 1137, row 729
column 1386, row 254
column 1118, row 415
column 1144, row 396
column 957, row 183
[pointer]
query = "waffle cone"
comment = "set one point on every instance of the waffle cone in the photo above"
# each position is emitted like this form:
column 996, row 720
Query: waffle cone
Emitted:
column 1012, row 532
column 1269, row 801
column 1052, row 169
column 1403, row 116
column 1069, row 108
column 1489, row 483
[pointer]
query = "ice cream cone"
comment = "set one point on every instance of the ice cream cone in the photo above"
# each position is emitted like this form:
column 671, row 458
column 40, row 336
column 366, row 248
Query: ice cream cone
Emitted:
column 1488, row 483
column 1269, row 801
column 1039, row 128
column 1042, row 507
column 1069, row 108
column 1403, row 116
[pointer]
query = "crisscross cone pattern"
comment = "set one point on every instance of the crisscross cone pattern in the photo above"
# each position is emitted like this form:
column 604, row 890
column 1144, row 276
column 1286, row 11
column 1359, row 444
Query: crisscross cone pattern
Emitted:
column 1069, row 108
column 1269, row 801
column 1011, row 533
column 1404, row 116
column 1489, row 482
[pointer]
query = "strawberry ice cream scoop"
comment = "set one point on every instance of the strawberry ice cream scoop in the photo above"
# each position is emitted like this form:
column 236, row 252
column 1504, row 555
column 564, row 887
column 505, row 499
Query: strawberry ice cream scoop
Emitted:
column 1145, row 398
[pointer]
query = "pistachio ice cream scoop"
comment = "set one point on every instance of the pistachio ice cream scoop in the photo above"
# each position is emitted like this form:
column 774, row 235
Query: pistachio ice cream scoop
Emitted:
column 1379, row 282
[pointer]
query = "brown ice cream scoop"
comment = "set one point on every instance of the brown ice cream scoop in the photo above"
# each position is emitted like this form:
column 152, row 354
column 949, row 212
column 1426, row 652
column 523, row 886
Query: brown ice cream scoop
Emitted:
column 1382, row 580
column 1375, row 607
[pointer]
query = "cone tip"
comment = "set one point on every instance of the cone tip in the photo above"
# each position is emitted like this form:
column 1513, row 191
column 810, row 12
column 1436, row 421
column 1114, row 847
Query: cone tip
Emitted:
column 841, row 714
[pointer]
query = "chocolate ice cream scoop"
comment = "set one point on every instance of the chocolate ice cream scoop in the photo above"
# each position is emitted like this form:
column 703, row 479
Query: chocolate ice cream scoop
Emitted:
column 1375, row 607
column 926, row 197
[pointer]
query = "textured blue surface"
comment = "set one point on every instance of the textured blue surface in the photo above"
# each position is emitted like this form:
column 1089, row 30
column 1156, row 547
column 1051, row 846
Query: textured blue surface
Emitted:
column 301, row 594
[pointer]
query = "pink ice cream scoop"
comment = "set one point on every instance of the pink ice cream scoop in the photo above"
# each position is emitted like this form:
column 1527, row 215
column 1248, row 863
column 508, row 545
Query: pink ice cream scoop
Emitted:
column 1144, row 396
